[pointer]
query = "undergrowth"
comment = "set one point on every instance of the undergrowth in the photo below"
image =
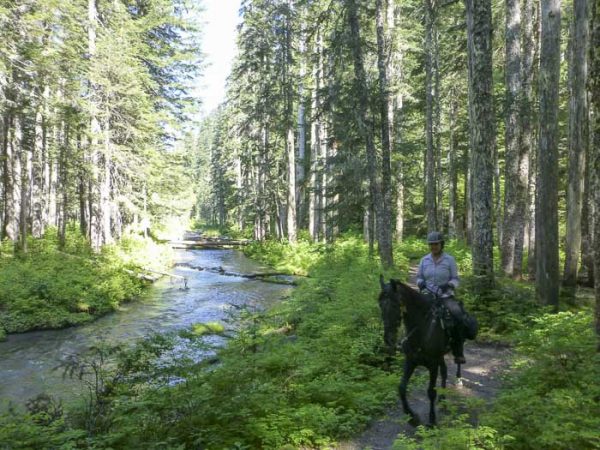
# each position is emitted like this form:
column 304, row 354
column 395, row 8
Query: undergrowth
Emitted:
column 309, row 372
column 51, row 287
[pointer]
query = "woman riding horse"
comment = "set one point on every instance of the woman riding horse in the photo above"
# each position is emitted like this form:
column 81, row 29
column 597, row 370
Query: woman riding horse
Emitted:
column 425, row 342
column 438, row 276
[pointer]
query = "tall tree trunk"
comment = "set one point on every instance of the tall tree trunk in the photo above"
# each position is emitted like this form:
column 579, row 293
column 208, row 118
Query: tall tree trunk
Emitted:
column 481, row 116
column 50, row 180
column 289, row 140
column 314, row 210
column 63, row 182
column 595, row 151
column 385, row 222
column 37, row 180
column 546, row 230
column 395, row 71
column 452, row 168
column 440, row 175
column 95, row 208
column 587, row 218
column 365, row 124
column 81, row 188
column 468, row 196
column 3, row 143
column 512, row 133
column 324, row 178
column 26, row 157
column 334, row 198
column 263, row 221
column 15, row 143
column 300, row 175
column 526, row 118
column 430, row 152
column 291, row 199
column 105, row 181
column 9, row 214
column 578, row 136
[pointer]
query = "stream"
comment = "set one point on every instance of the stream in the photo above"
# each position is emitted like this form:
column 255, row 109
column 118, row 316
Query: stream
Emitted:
column 28, row 361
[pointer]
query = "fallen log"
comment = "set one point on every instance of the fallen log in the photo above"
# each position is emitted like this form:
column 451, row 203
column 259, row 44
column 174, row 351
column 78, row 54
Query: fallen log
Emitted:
column 141, row 276
column 263, row 276
column 166, row 274
column 207, row 243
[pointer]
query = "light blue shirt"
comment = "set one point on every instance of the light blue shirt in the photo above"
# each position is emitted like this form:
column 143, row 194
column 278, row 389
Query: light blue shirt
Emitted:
column 437, row 273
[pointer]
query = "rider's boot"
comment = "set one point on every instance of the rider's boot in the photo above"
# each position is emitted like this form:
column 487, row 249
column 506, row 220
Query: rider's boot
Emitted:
column 457, row 346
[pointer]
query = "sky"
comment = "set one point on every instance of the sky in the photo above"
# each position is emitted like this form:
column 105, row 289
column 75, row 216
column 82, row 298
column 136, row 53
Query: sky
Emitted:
column 220, row 18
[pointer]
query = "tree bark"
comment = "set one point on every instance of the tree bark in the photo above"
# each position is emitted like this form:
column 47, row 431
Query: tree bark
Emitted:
column 290, row 144
column 26, row 156
column 430, row 138
column 314, row 212
column 595, row 151
column 9, row 219
column 385, row 221
column 578, row 136
column 395, row 109
column 481, row 116
column 526, row 117
column 37, row 175
column 94, row 206
column 300, row 175
column 546, row 230
column 13, row 200
column 105, row 212
column 512, row 134
column 452, row 168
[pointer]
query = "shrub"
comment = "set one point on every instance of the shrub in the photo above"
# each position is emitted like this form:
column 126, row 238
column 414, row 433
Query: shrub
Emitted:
column 52, row 288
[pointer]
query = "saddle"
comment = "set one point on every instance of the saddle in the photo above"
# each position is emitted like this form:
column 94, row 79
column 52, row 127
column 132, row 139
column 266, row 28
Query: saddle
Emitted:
column 467, row 322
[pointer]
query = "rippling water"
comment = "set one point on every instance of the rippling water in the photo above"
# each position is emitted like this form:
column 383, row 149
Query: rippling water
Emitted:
column 27, row 361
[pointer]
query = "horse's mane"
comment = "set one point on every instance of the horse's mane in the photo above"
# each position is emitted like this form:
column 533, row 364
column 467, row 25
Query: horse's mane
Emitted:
column 410, row 294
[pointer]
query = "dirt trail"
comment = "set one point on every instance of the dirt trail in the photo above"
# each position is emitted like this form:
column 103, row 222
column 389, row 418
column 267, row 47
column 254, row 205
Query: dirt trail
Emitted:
column 481, row 378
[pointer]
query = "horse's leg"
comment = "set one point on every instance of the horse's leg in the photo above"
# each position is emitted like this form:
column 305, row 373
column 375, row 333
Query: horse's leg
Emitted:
column 443, row 374
column 409, row 368
column 431, row 391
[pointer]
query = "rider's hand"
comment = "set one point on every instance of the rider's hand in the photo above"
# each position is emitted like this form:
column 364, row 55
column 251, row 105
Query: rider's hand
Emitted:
column 444, row 287
column 421, row 284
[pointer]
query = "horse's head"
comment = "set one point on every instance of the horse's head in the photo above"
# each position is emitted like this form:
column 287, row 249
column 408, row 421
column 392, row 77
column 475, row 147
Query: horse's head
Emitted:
column 390, row 302
column 396, row 297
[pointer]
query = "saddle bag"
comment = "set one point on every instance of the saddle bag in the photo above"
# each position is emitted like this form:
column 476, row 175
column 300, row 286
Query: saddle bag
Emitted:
column 471, row 326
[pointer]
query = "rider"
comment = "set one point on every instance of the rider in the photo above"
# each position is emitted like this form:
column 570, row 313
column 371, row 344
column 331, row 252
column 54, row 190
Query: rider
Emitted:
column 438, row 275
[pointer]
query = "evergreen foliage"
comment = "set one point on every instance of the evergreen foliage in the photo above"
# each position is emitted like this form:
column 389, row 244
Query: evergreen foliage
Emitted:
column 88, row 129
column 308, row 373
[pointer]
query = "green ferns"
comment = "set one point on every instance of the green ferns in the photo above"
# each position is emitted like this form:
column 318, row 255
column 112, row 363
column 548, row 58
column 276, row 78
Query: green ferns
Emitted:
column 49, row 288
column 308, row 373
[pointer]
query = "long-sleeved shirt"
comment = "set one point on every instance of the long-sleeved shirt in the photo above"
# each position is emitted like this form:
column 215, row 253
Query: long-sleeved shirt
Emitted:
column 438, row 273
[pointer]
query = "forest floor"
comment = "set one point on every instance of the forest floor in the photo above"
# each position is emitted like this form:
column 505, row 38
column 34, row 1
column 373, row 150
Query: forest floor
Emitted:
column 481, row 378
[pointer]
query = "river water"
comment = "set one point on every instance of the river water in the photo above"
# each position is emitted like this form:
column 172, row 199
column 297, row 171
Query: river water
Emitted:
column 28, row 361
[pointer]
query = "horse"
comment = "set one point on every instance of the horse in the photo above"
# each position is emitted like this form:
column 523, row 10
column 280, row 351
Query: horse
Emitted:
column 426, row 341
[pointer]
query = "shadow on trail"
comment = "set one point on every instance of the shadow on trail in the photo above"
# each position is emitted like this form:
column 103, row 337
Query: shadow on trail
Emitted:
column 481, row 378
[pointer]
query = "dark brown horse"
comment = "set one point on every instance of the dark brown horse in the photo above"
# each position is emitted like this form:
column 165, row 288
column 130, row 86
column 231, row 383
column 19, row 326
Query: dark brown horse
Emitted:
column 425, row 343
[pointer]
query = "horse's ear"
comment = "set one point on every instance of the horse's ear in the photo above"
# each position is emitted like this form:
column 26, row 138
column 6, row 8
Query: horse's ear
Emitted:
column 394, row 284
column 381, row 281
